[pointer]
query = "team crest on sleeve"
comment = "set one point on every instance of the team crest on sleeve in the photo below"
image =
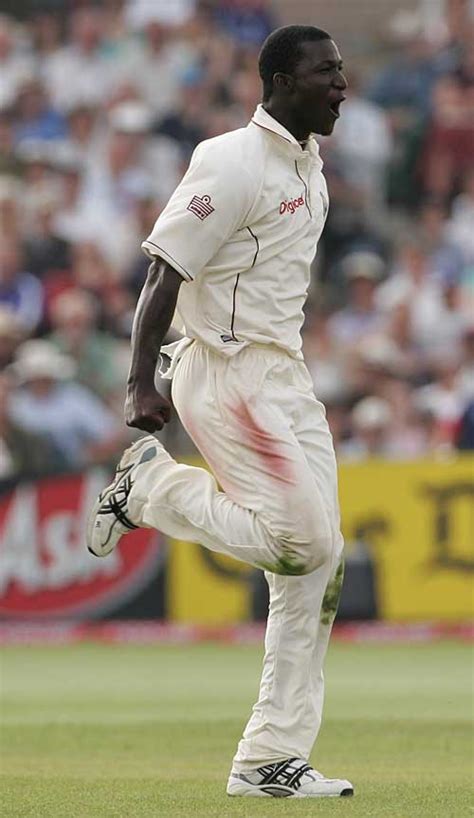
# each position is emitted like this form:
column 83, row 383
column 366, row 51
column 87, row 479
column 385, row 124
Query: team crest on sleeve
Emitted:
column 201, row 206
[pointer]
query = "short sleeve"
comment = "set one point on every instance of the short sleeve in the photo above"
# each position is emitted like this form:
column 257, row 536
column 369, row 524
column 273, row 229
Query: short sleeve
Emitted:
column 208, row 206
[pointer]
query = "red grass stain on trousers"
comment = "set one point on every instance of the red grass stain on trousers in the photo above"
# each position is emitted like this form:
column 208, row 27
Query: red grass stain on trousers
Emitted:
column 264, row 444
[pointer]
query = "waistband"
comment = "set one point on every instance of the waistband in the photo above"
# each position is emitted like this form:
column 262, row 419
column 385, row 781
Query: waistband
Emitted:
column 177, row 349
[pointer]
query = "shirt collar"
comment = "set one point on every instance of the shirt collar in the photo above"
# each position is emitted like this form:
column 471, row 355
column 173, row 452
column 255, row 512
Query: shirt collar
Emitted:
column 264, row 120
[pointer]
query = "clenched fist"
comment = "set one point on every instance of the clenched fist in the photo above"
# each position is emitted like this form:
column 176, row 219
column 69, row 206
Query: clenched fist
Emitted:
column 147, row 410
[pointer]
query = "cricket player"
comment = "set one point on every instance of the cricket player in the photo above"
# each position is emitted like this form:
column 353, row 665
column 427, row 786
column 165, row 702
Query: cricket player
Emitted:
column 231, row 255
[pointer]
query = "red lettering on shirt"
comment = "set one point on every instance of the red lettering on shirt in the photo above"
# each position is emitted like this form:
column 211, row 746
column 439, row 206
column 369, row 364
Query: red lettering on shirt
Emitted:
column 291, row 205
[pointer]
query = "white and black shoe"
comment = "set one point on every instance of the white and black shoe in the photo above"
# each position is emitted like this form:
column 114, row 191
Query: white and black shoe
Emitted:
column 110, row 519
column 293, row 778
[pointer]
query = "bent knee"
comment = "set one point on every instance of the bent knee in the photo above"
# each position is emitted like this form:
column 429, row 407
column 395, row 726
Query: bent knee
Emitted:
column 319, row 556
column 297, row 559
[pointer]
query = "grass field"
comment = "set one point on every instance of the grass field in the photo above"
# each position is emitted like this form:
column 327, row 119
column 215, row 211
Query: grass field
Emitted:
column 129, row 731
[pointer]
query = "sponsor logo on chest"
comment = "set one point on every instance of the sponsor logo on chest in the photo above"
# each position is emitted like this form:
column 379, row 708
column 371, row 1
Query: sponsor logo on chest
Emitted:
column 291, row 205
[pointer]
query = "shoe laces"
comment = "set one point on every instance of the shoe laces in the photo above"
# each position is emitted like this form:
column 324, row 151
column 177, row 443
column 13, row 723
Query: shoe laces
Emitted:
column 288, row 773
column 118, row 501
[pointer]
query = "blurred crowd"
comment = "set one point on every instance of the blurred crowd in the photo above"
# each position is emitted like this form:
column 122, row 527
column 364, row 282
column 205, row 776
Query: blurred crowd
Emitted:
column 100, row 109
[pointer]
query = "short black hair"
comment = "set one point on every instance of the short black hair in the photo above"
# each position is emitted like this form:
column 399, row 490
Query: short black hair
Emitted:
column 281, row 51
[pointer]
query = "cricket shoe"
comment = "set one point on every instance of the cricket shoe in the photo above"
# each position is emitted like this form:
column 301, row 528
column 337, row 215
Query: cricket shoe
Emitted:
column 293, row 778
column 110, row 519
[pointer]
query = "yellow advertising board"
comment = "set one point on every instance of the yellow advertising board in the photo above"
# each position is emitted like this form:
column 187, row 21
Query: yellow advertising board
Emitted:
column 206, row 588
column 416, row 520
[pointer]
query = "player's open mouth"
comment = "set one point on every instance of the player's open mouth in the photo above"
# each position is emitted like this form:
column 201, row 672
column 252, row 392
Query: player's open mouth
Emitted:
column 334, row 107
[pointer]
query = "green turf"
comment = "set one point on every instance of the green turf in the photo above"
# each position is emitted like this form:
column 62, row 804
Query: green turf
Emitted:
column 127, row 731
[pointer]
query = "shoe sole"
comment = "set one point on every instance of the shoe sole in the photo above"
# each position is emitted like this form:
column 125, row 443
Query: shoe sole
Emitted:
column 254, row 791
column 129, row 454
column 240, row 788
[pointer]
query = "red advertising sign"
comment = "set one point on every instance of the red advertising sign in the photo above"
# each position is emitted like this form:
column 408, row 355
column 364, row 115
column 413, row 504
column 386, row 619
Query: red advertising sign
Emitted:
column 45, row 568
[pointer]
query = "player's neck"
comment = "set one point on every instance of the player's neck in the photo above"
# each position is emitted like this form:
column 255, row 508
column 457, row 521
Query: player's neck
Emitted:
column 286, row 118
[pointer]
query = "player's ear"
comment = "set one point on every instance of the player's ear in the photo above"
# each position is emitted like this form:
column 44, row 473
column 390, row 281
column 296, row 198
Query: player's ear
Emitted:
column 282, row 82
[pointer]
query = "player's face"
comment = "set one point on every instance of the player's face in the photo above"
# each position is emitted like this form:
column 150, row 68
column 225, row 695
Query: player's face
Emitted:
column 318, row 87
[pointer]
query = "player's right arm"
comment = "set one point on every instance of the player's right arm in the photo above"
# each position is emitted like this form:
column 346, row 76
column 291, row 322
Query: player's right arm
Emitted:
column 145, row 408
column 211, row 202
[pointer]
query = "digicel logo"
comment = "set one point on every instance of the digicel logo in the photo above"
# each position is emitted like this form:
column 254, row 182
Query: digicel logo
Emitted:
column 291, row 205
column 45, row 568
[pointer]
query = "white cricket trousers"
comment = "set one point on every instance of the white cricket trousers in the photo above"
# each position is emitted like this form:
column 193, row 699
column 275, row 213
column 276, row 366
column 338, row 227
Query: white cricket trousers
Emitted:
column 257, row 423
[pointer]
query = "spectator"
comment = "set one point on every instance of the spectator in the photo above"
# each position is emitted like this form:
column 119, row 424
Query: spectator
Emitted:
column 413, row 283
column 22, row 453
column 11, row 195
column 443, row 398
column 348, row 225
column 361, row 317
column 459, row 230
column 51, row 404
column 46, row 31
column 338, row 417
column 45, row 251
column 79, row 72
column 14, row 64
column 452, row 324
column 403, row 84
column 38, row 178
column 410, row 364
column 247, row 21
column 74, row 316
column 466, row 372
column 130, row 167
column 34, row 115
column 84, row 138
column 91, row 271
column 69, row 217
column 402, row 87
column 20, row 291
column 147, row 210
column 245, row 91
column 158, row 157
column 326, row 362
column 448, row 152
column 11, row 335
column 219, row 59
column 9, row 161
column 465, row 433
column 163, row 52
column 35, row 158
column 375, row 359
column 371, row 419
column 410, row 430
column 445, row 257
column 363, row 162
column 185, row 121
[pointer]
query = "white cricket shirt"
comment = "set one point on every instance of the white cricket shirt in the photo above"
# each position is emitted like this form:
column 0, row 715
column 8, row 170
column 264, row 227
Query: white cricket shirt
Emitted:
column 242, row 229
